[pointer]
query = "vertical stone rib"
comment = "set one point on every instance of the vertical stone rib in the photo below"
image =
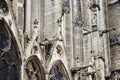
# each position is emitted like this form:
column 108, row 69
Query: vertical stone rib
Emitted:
column 28, row 16
column 41, row 20
column 77, row 31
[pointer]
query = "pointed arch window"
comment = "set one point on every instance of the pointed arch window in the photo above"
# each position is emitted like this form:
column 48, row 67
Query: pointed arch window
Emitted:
column 9, row 54
column 58, row 72
column 34, row 70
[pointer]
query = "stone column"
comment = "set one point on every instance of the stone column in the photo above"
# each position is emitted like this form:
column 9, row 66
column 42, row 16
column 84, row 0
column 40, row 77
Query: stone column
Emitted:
column 97, row 23
column 41, row 20
column 20, row 21
column 77, row 35
column 67, row 30
column 28, row 17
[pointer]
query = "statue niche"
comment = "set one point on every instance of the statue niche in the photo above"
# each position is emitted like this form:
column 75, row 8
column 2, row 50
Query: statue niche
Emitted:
column 94, row 6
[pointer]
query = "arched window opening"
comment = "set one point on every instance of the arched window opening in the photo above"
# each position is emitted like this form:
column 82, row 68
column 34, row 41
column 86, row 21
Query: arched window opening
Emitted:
column 9, row 54
column 34, row 70
column 58, row 72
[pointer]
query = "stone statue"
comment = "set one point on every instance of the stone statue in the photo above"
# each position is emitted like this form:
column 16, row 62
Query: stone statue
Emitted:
column 94, row 17
column 65, row 6
column 94, row 6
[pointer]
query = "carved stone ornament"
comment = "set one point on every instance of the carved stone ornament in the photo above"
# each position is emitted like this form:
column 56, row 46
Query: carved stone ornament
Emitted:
column 65, row 6
column 94, row 4
column 59, row 49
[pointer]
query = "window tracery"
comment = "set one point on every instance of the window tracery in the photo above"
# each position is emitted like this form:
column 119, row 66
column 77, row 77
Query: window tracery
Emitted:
column 58, row 72
column 9, row 55
column 34, row 71
column 3, row 7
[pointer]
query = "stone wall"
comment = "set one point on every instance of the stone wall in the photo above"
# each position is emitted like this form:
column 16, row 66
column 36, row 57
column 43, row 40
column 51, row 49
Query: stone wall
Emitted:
column 114, row 22
column 52, row 12
column 79, row 47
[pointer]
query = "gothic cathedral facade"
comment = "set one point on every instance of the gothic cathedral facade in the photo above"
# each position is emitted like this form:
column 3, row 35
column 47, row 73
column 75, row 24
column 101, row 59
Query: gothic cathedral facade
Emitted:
column 59, row 39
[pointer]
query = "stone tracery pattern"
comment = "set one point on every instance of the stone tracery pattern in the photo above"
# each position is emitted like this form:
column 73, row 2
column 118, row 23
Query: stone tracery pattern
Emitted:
column 3, row 7
column 34, row 71
column 9, row 54
column 58, row 72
